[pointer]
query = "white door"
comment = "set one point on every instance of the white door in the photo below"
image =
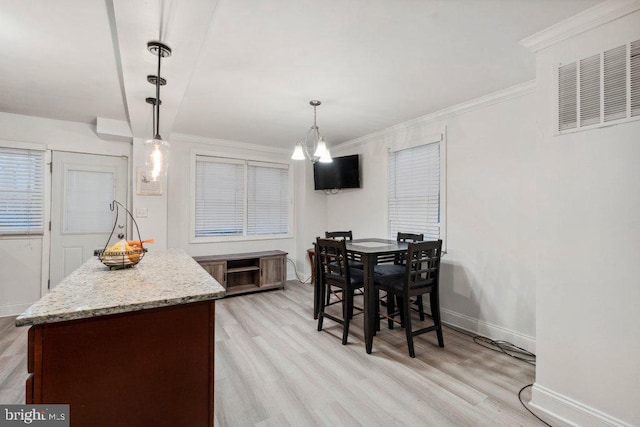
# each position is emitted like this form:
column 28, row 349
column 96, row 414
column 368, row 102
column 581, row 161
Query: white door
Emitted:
column 83, row 186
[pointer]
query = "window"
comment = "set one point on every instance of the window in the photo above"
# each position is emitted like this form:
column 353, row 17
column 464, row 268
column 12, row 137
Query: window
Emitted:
column 21, row 191
column 415, row 202
column 267, row 198
column 237, row 198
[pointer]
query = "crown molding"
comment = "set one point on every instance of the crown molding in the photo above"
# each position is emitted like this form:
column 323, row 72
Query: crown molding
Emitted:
column 593, row 17
column 226, row 143
column 464, row 107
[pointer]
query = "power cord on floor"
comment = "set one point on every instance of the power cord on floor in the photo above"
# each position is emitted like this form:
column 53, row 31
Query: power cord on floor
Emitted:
column 305, row 281
column 510, row 350
column 527, row 408
column 506, row 348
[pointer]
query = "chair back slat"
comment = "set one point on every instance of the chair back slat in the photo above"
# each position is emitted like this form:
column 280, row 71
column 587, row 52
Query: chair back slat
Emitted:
column 407, row 237
column 345, row 235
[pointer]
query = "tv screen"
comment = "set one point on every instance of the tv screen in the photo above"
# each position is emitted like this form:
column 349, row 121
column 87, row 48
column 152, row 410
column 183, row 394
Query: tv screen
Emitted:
column 343, row 172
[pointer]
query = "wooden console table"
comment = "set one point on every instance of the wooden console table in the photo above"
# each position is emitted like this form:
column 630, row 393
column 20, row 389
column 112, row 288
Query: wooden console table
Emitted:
column 247, row 272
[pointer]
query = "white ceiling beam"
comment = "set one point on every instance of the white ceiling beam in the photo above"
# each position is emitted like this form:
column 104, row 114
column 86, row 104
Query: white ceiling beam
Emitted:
column 183, row 26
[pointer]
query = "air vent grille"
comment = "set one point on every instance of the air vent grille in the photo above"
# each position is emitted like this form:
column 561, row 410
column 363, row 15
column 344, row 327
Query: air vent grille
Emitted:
column 635, row 78
column 600, row 89
column 590, row 90
column 567, row 96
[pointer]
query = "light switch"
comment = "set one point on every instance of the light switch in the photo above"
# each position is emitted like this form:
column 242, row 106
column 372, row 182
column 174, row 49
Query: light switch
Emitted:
column 142, row 212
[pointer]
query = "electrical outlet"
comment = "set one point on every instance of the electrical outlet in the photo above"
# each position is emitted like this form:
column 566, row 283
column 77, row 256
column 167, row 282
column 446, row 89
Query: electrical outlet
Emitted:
column 142, row 212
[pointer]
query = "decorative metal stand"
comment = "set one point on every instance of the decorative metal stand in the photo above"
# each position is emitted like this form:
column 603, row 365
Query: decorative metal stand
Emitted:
column 125, row 258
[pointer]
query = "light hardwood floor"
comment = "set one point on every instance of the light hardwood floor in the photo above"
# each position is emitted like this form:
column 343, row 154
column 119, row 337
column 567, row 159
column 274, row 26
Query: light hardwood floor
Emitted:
column 273, row 368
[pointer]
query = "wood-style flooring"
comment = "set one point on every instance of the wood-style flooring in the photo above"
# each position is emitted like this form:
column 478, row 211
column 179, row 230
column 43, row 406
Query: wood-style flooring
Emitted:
column 273, row 368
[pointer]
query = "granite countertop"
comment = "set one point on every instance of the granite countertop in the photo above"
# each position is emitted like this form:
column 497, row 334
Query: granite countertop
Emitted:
column 162, row 278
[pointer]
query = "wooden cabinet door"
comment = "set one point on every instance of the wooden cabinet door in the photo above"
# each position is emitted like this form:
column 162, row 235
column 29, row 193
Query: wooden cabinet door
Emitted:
column 218, row 270
column 273, row 270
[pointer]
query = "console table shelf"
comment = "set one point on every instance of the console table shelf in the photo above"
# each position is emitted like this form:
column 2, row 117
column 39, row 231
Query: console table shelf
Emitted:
column 247, row 272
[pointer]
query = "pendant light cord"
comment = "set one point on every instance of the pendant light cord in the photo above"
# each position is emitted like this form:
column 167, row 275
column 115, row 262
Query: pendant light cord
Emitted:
column 157, row 120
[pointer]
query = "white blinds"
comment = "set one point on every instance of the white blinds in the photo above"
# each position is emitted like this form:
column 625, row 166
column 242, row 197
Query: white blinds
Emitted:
column 235, row 197
column 267, row 198
column 21, row 191
column 414, row 191
column 219, row 197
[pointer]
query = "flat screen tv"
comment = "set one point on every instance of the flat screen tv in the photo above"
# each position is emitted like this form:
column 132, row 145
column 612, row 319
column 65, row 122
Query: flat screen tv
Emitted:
column 343, row 172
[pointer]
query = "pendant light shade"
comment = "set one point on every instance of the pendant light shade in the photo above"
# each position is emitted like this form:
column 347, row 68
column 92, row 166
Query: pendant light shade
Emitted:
column 298, row 153
column 156, row 155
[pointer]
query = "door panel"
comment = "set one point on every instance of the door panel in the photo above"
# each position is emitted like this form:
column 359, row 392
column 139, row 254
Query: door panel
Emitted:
column 82, row 189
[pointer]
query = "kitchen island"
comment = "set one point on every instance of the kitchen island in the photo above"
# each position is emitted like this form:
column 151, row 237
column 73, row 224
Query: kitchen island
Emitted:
column 127, row 347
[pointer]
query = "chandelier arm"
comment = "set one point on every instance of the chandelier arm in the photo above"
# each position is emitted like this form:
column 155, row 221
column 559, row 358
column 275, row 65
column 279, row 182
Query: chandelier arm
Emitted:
column 315, row 141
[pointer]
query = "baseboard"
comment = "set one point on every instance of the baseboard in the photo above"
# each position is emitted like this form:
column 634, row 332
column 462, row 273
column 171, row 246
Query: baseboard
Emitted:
column 568, row 410
column 488, row 330
column 13, row 310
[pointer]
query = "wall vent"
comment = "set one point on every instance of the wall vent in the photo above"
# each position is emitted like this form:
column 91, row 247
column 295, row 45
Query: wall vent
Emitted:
column 600, row 90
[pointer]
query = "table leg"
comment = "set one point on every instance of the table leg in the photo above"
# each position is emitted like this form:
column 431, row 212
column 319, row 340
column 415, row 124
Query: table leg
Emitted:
column 370, row 301
column 312, row 255
column 317, row 289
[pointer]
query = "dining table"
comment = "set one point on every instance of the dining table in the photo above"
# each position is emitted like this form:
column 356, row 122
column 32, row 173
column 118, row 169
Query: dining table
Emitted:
column 371, row 251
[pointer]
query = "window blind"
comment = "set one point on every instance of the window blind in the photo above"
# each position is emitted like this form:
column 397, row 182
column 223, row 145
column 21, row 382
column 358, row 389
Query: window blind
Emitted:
column 267, row 198
column 414, row 191
column 21, row 191
column 219, row 197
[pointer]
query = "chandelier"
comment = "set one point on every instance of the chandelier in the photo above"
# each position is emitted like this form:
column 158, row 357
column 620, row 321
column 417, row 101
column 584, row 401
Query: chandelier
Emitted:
column 319, row 146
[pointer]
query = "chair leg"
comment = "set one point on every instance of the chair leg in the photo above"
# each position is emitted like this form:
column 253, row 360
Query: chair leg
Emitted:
column 321, row 308
column 347, row 311
column 352, row 293
column 435, row 313
column 328, row 295
column 401, row 309
column 407, row 326
column 377, row 311
column 391, row 307
column 420, row 307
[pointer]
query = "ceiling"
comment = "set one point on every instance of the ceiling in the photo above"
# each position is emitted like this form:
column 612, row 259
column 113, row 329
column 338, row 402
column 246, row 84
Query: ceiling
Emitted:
column 245, row 70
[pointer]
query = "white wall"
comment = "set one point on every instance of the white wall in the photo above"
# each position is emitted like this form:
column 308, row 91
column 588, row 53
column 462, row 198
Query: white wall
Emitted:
column 24, row 261
column 488, row 277
column 588, row 338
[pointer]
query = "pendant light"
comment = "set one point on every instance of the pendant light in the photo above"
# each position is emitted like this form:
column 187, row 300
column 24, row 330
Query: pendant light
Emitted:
column 156, row 150
column 319, row 148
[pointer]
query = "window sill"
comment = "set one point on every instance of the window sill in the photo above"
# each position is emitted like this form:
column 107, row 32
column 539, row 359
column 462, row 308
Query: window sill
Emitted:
column 222, row 239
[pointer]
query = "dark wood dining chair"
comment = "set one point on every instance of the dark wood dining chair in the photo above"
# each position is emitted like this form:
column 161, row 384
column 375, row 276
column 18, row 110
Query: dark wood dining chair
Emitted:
column 346, row 235
column 333, row 263
column 353, row 261
column 422, row 276
column 397, row 270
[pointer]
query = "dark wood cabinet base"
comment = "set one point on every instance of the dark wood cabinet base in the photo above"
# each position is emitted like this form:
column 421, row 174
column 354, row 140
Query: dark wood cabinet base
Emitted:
column 151, row 367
